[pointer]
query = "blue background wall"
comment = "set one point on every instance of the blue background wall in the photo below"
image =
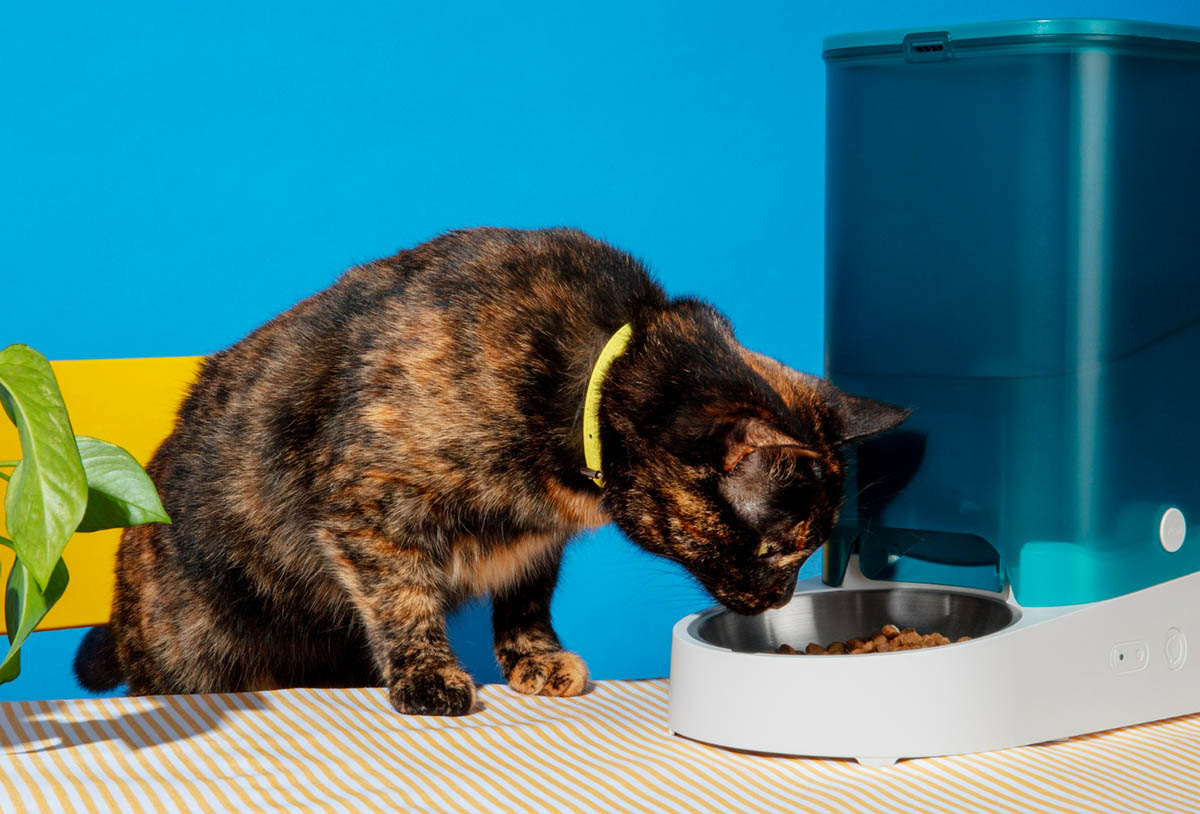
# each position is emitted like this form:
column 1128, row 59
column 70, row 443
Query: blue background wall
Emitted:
column 172, row 175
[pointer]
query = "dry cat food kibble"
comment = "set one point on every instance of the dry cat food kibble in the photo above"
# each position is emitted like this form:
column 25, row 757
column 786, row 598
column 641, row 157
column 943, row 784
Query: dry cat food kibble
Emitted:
column 888, row 639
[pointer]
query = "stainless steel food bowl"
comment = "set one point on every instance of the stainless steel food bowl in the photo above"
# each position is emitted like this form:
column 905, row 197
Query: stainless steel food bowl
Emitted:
column 829, row 616
column 729, row 687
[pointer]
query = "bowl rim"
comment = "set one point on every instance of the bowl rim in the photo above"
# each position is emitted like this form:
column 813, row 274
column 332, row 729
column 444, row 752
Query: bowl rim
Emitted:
column 689, row 626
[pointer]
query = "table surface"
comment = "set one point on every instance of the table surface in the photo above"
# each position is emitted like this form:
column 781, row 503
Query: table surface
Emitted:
column 346, row 751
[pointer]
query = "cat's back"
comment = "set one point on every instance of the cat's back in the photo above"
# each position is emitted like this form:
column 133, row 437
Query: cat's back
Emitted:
column 496, row 276
column 500, row 279
column 431, row 350
column 463, row 285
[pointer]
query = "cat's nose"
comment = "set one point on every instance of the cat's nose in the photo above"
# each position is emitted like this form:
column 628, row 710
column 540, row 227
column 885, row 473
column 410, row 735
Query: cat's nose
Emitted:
column 787, row 592
column 782, row 600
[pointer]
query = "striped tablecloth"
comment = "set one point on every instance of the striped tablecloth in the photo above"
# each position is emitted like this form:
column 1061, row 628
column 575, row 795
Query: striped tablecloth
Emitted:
column 345, row 751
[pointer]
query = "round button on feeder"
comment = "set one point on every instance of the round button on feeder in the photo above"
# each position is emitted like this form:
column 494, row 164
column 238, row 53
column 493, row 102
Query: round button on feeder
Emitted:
column 1172, row 528
column 1175, row 648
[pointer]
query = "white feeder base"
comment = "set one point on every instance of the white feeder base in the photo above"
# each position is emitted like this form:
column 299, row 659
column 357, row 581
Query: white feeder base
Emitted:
column 1051, row 674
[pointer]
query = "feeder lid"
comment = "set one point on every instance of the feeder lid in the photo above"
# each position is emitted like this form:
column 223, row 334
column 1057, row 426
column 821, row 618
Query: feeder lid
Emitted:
column 1012, row 31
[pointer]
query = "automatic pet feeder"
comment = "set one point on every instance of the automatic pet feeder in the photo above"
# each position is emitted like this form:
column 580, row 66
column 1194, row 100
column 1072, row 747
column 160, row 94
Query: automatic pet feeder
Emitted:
column 1013, row 250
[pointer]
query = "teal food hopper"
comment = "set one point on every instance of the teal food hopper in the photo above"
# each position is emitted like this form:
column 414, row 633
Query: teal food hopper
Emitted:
column 1013, row 250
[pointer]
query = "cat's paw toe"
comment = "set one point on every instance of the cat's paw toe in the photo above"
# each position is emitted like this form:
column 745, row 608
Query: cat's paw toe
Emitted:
column 444, row 691
column 559, row 673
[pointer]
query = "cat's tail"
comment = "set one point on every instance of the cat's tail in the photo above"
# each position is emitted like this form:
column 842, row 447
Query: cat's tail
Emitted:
column 96, row 665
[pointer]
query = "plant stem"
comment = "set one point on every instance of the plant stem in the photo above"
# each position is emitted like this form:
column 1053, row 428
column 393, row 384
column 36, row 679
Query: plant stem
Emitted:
column 6, row 477
column 9, row 463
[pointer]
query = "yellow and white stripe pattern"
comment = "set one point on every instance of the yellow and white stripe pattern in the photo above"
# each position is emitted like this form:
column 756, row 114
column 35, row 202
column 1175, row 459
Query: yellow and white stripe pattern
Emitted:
column 345, row 751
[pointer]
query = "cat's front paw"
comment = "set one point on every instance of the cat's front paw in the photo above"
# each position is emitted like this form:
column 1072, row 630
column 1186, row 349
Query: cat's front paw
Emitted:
column 558, row 673
column 443, row 691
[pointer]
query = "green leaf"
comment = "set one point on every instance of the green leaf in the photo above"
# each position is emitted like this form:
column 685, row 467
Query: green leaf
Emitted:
column 8, row 410
column 120, row 493
column 26, row 604
column 48, row 491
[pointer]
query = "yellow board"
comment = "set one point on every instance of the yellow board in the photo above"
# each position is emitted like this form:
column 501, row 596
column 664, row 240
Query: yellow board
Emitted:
column 128, row 402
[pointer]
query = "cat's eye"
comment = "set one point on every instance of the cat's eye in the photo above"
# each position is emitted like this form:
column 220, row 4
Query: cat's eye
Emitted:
column 763, row 549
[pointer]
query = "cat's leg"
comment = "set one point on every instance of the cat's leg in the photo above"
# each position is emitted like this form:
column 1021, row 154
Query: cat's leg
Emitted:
column 527, row 648
column 399, row 592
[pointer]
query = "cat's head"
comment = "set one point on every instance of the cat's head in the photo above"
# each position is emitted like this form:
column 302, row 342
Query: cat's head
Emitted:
column 732, row 465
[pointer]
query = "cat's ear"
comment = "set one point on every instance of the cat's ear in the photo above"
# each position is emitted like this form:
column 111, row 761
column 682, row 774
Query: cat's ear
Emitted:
column 859, row 417
column 756, row 452
column 863, row 417
column 747, row 434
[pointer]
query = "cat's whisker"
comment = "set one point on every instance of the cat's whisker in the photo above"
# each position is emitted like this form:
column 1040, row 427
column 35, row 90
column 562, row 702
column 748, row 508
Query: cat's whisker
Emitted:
column 870, row 485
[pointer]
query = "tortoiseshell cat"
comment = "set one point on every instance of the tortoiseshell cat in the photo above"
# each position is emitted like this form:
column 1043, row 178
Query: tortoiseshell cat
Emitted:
column 346, row 474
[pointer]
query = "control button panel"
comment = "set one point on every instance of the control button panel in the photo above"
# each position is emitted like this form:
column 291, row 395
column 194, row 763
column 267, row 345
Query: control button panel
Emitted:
column 1129, row 657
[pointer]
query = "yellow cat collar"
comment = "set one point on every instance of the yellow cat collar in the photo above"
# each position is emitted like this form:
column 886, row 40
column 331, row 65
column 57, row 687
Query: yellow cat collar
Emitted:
column 591, row 403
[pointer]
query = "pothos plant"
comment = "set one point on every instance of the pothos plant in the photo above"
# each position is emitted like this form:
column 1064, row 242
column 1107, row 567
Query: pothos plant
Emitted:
column 63, row 483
